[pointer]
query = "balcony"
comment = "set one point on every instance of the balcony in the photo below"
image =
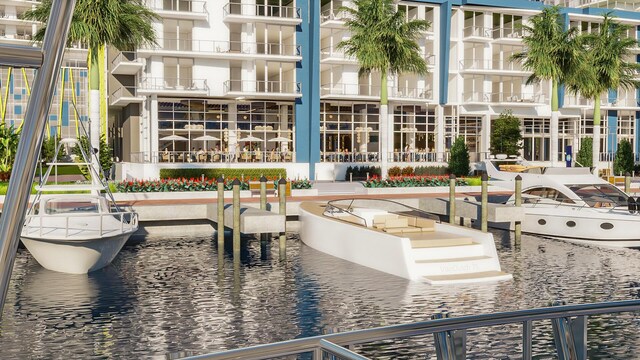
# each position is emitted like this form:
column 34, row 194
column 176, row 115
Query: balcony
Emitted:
column 232, row 50
column 273, row 14
column 173, row 86
column 629, row 101
column 333, row 18
column 510, row 98
column 181, row 9
column 125, row 95
column 490, row 66
column 126, row 63
column 506, row 34
column 627, row 5
column 372, row 92
column 262, row 89
column 334, row 56
column 478, row 33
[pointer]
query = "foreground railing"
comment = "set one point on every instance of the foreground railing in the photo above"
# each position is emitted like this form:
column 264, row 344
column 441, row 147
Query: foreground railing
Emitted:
column 569, row 326
column 128, row 222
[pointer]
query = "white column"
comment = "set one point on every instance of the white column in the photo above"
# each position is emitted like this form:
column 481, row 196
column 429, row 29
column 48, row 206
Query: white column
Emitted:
column 153, row 126
column 248, row 38
column 284, row 113
column 233, row 125
column 485, row 141
column 554, row 124
column 440, row 133
column 384, row 140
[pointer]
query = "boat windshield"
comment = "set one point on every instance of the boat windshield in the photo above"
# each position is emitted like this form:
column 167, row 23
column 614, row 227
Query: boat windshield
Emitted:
column 67, row 206
column 600, row 195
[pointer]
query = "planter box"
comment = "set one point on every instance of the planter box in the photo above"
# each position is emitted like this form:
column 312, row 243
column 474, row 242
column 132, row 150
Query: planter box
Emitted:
column 304, row 192
column 425, row 190
column 177, row 195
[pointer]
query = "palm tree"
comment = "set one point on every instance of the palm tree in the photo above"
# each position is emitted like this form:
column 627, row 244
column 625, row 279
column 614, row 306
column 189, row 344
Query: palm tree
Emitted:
column 383, row 41
column 123, row 24
column 605, row 67
column 553, row 54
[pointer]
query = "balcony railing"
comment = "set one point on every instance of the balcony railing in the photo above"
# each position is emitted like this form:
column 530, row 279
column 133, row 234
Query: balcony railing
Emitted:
column 630, row 101
column 181, row 6
column 182, row 84
column 124, row 91
column 211, row 156
column 477, row 64
column 334, row 15
column 275, row 11
column 223, row 47
column 506, row 33
column 477, row 31
column 504, row 97
column 261, row 86
column 332, row 52
column 373, row 90
column 125, row 56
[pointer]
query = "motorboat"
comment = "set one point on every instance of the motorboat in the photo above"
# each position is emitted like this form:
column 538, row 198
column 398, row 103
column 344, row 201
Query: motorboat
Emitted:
column 397, row 239
column 76, row 233
column 569, row 203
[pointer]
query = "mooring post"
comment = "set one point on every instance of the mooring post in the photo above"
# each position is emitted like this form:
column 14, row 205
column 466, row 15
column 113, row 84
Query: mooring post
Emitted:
column 236, row 217
column 484, row 202
column 263, row 202
column 452, row 199
column 282, row 195
column 518, row 203
column 220, row 228
column 627, row 182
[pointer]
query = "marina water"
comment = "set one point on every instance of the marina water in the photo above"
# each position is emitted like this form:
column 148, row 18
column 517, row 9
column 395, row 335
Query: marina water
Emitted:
column 168, row 297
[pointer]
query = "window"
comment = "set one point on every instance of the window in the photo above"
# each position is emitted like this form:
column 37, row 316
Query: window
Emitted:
column 600, row 195
column 534, row 195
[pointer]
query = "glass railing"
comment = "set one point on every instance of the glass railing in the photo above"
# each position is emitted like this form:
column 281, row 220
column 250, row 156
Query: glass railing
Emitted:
column 183, row 84
column 504, row 97
column 262, row 10
column 373, row 90
column 212, row 156
column 261, row 86
column 124, row 56
column 477, row 31
column 334, row 15
column 223, row 47
column 478, row 64
column 191, row 6
column 507, row 33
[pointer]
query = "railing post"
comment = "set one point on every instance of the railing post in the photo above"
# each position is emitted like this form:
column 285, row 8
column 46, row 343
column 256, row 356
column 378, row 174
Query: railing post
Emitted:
column 518, row 203
column 484, row 203
column 452, row 199
column 282, row 194
column 527, row 340
column 220, row 227
column 627, row 183
column 236, row 218
column 570, row 336
column 450, row 345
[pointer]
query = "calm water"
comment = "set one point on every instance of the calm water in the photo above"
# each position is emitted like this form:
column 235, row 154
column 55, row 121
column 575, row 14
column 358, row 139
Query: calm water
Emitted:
column 165, row 297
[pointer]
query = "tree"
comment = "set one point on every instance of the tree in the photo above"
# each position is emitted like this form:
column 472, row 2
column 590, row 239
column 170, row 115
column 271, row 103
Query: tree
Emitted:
column 123, row 24
column 105, row 153
column 553, row 54
column 505, row 134
column 459, row 160
column 9, row 138
column 623, row 163
column 585, row 154
column 384, row 42
column 605, row 66
column 48, row 149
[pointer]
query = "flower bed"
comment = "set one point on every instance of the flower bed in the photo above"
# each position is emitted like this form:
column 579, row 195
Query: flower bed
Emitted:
column 412, row 181
column 170, row 185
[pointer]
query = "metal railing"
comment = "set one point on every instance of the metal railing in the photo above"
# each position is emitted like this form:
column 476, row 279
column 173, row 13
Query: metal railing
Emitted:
column 277, row 11
column 504, row 97
column 477, row 31
column 569, row 323
column 182, row 84
column 476, row 64
column 262, row 86
column 502, row 33
column 374, row 90
column 128, row 222
column 222, row 47
column 192, row 6
column 125, row 56
column 332, row 52
column 123, row 91
column 208, row 157
column 334, row 14
column 629, row 5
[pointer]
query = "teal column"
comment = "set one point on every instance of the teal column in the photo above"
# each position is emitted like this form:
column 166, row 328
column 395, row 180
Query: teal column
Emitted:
column 612, row 129
column 445, row 45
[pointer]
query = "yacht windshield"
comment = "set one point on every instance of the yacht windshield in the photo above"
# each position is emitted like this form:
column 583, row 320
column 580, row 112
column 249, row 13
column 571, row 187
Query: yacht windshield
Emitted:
column 600, row 195
column 66, row 206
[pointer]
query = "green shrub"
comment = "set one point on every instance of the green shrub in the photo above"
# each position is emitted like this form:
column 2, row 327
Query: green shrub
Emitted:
column 407, row 171
column 431, row 170
column 247, row 174
column 413, row 181
column 623, row 163
column 395, row 171
column 359, row 173
column 585, row 154
column 474, row 181
column 459, row 160
column 301, row 184
column 506, row 137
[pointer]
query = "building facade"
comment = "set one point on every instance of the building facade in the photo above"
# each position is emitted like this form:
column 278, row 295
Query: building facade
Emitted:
column 262, row 83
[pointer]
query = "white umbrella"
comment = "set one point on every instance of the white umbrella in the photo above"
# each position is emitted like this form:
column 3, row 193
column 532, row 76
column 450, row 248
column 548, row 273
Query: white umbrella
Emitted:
column 280, row 139
column 174, row 137
column 250, row 138
column 207, row 138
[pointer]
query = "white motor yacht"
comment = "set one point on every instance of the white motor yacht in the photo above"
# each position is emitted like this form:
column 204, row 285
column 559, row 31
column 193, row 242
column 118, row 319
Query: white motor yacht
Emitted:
column 76, row 233
column 569, row 203
column 400, row 240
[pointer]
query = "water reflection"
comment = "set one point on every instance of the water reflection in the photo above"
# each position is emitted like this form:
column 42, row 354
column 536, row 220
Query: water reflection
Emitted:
column 183, row 296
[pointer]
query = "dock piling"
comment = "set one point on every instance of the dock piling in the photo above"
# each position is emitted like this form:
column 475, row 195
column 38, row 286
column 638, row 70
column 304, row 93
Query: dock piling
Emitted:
column 236, row 218
column 627, row 182
column 263, row 203
column 220, row 225
column 452, row 199
column 518, row 203
column 282, row 195
column 484, row 201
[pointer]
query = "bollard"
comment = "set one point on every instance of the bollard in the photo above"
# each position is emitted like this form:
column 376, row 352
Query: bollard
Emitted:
column 236, row 218
column 367, row 176
column 350, row 177
column 452, row 199
column 282, row 193
column 484, row 202
column 627, row 182
column 518, row 203
column 450, row 345
column 220, row 213
column 570, row 336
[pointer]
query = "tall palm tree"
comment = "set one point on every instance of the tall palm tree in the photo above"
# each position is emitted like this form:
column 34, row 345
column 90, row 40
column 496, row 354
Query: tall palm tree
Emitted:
column 552, row 54
column 384, row 42
column 605, row 67
column 123, row 24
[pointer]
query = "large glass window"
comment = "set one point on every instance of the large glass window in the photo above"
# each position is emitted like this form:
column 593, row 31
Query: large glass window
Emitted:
column 537, row 139
column 414, row 129
column 349, row 131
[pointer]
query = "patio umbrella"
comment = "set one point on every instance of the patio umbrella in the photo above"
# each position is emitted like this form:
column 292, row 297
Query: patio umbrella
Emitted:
column 280, row 139
column 174, row 138
column 250, row 139
column 207, row 138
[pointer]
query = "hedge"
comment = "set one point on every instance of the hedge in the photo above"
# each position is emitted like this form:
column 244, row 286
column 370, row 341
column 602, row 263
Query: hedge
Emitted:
column 248, row 173
column 360, row 172
column 174, row 185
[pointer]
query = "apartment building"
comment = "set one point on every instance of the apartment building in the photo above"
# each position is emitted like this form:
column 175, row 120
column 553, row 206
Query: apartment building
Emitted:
column 70, row 105
column 262, row 83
